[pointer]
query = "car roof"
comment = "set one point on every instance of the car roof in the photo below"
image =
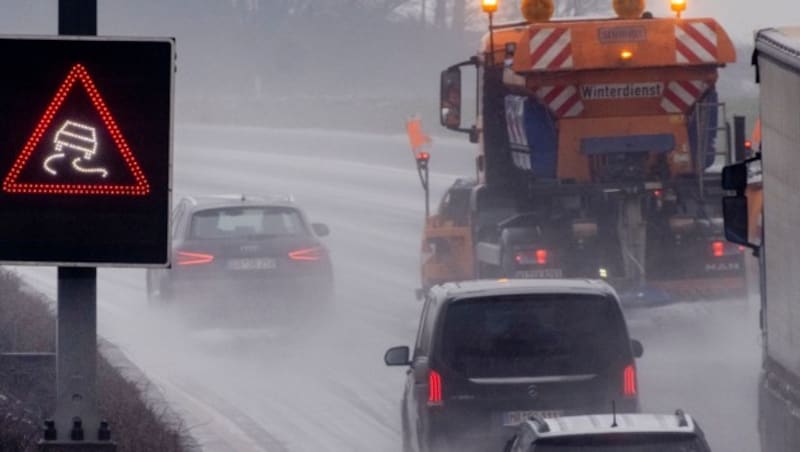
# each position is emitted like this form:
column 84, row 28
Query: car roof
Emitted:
column 601, row 424
column 486, row 287
column 240, row 199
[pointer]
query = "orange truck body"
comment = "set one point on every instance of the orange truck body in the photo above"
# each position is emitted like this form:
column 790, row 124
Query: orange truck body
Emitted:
column 597, row 86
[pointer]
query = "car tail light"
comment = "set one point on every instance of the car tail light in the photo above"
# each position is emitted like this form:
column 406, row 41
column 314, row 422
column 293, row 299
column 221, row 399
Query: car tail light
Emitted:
column 306, row 254
column 538, row 257
column 190, row 258
column 718, row 248
column 434, row 388
column 629, row 381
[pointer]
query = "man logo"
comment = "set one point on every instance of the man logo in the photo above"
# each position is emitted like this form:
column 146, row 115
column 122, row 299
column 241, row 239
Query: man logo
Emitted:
column 533, row 391
column 723, row 267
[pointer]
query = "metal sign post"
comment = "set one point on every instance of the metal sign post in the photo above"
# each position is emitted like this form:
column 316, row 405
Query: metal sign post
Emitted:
column 419, row 142
column 422, row 168
column 76, row 424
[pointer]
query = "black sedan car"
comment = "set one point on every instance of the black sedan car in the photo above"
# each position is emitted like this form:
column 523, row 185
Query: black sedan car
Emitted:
column 238, row 246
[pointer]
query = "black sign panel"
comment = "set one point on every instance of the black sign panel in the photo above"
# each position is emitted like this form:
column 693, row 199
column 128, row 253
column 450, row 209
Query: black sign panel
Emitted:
column 85, row 151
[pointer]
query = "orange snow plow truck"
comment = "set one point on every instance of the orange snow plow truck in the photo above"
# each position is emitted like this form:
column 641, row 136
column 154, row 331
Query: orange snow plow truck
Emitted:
column 600, row 147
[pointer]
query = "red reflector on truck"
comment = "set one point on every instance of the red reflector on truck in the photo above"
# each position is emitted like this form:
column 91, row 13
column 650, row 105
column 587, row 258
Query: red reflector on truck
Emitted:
column 718, row 248
column 538, row 257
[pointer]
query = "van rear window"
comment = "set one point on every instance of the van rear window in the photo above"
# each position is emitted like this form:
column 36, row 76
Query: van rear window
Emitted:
column 533, row 335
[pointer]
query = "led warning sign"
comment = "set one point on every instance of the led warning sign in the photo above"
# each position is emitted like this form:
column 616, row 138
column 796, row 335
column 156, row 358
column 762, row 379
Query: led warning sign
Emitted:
column 85, row 151
column 74, row 161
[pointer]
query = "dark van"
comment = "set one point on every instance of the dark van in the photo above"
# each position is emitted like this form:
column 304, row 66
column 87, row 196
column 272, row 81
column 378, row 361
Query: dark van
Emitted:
column 490, row 354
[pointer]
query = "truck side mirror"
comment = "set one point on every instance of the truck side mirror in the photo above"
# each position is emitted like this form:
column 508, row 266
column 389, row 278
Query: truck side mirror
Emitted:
column 450, row 98
column 734, row 177
column 735, row 213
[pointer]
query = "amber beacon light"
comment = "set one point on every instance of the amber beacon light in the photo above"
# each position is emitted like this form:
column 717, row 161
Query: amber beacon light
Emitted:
column 489, row 6
column 678, row 6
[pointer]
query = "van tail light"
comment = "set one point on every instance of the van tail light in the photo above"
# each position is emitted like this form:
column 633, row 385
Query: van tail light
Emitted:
column 434, row 388
column 538, row 257
column 306, row 254
column 629, row 388
column 191, row 258
column 718, row 248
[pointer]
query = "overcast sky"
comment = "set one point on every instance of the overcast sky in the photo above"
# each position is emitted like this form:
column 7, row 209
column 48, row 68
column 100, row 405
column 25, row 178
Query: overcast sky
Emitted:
column 739, row 17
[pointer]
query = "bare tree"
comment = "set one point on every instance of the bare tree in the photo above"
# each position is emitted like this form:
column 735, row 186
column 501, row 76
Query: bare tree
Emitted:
column 459, row 22
column 440, row 14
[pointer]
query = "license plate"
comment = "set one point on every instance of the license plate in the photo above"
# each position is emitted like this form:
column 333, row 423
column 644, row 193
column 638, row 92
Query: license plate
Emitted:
column 514, row 418
column 264, row 263
column 542, row 273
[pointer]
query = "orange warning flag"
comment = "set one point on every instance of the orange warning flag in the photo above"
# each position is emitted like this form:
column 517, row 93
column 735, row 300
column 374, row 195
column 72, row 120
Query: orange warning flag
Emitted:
column 416, row 136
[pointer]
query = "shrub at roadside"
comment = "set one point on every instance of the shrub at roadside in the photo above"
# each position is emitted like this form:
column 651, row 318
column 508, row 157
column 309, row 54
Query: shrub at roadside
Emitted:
column 138, row 422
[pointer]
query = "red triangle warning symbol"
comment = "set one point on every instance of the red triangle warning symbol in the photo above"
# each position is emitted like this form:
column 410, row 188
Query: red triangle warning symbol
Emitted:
column 72, row 150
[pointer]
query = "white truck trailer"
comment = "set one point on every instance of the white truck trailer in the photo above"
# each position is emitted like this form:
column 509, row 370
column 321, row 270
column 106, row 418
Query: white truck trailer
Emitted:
column 765, row 216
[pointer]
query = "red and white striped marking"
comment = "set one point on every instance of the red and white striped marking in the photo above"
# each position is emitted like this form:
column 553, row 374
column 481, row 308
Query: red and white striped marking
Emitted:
column 680, row 96
column 551, row 49
column 695, row 42
column 563, row 101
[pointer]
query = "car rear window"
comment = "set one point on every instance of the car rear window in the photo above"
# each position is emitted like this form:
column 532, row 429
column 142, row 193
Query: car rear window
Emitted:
column 622, row 443
column 533, row 335
column 242, row 222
